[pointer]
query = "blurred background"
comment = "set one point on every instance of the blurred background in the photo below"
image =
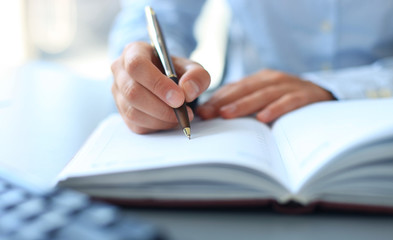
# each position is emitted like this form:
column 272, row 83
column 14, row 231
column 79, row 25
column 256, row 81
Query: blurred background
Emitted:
column 69, row 32
column 73, row 34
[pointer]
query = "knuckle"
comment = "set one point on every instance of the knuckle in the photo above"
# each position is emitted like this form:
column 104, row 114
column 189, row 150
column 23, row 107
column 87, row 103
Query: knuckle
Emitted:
column 160, row 85
column 133, row 45
column 267, row 71
column 279, row 76
column 157, row 85
column 130, row 90
column 264, row 71
column 248, row 86
column 274, row 75
column 131, row 114
column 114, row 65
column 134, row 63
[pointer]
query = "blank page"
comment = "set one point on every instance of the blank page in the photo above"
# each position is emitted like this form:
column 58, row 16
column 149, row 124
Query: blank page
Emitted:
column 113, row 147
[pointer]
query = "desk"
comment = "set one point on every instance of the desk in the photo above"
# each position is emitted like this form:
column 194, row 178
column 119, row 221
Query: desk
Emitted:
column 261, row 224
column 53, row 113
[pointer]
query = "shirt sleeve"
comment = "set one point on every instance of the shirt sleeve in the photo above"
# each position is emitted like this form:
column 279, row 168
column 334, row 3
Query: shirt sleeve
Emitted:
column 369, row 81
column 176, row 18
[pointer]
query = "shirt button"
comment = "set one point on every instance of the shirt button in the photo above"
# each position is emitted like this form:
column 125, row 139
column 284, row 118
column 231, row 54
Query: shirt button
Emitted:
column 326, row 26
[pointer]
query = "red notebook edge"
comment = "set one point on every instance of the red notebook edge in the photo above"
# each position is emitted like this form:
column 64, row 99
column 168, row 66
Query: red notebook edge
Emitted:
column 287, row 208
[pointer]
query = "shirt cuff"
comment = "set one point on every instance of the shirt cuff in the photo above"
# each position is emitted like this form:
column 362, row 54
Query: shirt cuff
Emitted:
column 369, row 81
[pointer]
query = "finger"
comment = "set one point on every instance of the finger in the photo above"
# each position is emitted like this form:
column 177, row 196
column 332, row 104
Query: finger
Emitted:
column 252, row 103
column 232, row 92
column 210, row 109
column 140, row 120
column 194, row 79
column 138, row 129
column 137, row 120
column 139, row 66
column 281, row 106
column 145, row 102
column 142, row 123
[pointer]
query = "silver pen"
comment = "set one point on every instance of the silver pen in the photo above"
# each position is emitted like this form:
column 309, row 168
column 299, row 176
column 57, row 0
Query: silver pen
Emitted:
column 158, row 42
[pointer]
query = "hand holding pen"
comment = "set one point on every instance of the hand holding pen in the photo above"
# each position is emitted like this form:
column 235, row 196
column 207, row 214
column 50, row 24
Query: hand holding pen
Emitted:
column 145, row 96
column 158, row 41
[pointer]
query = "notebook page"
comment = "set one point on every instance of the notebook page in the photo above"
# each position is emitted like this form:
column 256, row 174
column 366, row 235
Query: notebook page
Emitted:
column 310, row 136
column 113, row 147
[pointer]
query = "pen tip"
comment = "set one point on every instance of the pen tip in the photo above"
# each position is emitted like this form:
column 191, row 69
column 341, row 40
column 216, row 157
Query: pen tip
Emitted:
column 187, row 132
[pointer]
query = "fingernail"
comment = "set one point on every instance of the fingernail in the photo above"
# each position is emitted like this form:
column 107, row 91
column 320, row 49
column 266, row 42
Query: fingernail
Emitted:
column 192, row 90
column 174, row 98
column 264, row 116
column 228, row 108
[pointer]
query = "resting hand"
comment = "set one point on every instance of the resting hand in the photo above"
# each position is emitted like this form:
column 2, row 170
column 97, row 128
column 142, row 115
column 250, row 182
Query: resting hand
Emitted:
column 267, row 93
column 145, row 97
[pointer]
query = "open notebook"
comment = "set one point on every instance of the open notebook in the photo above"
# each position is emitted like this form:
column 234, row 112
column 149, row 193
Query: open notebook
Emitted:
column 330, row 152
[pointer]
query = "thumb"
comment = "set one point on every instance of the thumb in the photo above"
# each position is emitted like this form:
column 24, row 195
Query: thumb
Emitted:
column 194, row 79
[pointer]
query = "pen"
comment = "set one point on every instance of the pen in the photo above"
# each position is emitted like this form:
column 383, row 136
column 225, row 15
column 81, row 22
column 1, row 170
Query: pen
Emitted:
column 158, row 42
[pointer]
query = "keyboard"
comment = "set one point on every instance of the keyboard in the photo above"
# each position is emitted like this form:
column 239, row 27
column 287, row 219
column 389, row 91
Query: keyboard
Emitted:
column 65, row 214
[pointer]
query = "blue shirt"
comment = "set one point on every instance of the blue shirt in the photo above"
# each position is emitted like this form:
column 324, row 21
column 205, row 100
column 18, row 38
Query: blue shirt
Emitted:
column 341, row 45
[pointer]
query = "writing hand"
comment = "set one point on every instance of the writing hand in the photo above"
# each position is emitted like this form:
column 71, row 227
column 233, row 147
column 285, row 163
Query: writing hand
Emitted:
column 145, row 97
column 267, row 93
